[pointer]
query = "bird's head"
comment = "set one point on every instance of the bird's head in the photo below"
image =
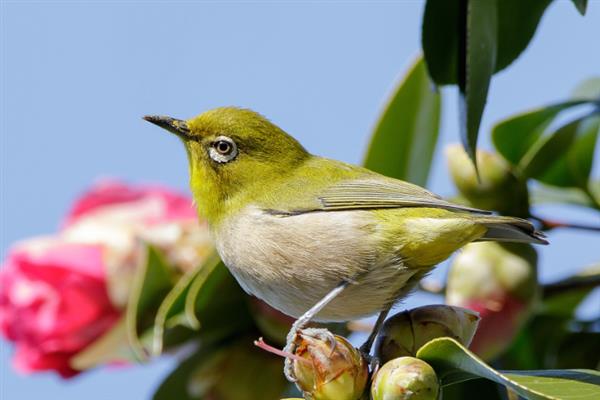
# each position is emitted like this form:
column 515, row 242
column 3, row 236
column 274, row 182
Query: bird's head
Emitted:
column 232, row 151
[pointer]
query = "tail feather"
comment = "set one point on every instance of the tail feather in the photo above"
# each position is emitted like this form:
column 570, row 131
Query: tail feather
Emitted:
column 510, row 229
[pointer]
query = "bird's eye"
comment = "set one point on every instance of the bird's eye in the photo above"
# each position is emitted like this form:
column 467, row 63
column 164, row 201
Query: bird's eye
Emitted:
column 223, row 149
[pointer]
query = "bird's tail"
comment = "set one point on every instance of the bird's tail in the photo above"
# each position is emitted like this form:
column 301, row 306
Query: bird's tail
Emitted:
column 510, row 229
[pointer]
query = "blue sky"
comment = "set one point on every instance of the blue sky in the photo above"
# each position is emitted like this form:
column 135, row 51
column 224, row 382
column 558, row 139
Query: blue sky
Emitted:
column 76, row 78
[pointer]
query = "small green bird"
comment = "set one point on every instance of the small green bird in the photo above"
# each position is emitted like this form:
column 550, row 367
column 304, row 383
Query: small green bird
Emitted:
column 315, row 238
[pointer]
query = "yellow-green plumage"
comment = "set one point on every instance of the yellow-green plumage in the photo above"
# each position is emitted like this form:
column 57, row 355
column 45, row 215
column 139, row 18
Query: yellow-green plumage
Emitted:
column 291, row 226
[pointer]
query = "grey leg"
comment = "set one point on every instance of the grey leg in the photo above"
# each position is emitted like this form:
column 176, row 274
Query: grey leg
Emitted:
column 303, row 321
column 365, row 349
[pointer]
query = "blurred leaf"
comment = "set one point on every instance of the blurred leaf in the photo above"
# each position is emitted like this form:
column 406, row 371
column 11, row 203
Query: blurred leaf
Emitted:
column 111, row 347
column 588, row 90
column 454, row 363
column 151, row 284
column 579, row 350
column 171, row 309
column 194, row 291
column 229, row 371
column 572, row 168
column 475, row 73
column 581, row 6
column 404, row 139
column 549, row 194
column 563, row 297
column 484, row 388
column 515, row 136
column 545, row 152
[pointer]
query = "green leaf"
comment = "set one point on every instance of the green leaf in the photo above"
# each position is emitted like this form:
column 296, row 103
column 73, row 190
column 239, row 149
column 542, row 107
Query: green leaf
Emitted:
column 152, row 282
column 442, row 30
column 195, row 289
column 573, row 167
column 476, row 72
column 561, row 298
column 550, row 194
column 454, row 363
column 227, row 371
column 581, row 5
column 588, row 90
column 112, row 346
column 405, row 136
column 517, row 23
column 515, row 136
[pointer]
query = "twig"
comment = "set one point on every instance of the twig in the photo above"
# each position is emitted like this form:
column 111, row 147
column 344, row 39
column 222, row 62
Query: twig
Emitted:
column 566, row 285
column 551, row 224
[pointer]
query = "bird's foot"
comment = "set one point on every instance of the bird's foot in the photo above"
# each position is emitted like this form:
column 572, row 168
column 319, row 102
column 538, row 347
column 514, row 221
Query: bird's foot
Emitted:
column 292, row 344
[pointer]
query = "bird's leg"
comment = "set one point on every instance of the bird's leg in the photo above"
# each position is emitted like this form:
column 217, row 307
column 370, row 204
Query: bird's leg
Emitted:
column 302, row 321
column 365, row 348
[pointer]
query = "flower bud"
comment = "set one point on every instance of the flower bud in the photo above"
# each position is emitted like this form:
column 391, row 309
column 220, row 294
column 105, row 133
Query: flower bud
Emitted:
column 404, row 333
column 329, row 370
column 405, row 378
column 500, row 282
column 497, row 189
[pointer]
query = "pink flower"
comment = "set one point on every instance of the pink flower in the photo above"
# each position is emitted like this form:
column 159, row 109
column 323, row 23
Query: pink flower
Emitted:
column 53, row 303
column 60, row 293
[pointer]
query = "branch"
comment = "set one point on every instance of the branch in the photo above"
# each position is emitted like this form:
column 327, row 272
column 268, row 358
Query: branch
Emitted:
column 548, row 224
column 566, row 285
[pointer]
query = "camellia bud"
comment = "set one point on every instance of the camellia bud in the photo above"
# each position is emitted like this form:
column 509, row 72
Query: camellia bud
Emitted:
column 405, row 378
column 329, row 370
column 500, row 282
column 497, row 189
column 404, row 333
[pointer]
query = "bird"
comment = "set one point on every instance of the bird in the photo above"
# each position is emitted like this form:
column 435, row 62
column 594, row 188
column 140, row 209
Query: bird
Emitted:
column 319, row 239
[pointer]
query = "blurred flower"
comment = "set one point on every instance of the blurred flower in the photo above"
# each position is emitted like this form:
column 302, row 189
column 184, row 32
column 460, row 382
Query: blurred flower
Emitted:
column 404, row 333
column 60, row 293
column 500, row 282
column 329, row 370
column 122, row 218
column 405, row 378
column 53, row 302
column 497, row 189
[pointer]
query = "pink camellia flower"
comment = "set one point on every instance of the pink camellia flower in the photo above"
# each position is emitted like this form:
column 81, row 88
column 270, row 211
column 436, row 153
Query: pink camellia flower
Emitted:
column 59, row 294
column 53, row 302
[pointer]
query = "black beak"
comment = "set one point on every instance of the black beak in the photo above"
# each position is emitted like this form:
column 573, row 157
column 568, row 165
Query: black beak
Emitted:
column 176, row 126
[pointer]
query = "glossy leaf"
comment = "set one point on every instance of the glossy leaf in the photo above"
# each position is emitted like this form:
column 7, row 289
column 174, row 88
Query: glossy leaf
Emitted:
column 454, row 363
column 443, row 34
column 516, row 135
column 405, row 136
column 572, row 168
column 475, row 74
column 152, row 282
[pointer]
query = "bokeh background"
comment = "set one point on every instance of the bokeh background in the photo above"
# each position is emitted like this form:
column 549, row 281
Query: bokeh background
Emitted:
column 76, row 77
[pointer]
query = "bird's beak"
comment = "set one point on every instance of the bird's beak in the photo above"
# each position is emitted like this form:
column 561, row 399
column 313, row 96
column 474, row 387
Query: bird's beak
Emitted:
column 176, row 126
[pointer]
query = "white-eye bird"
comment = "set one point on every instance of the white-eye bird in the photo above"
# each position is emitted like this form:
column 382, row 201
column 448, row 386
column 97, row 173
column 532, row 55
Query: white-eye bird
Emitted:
column 315, row 238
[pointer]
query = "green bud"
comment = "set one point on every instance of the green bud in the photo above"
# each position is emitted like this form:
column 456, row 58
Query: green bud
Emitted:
column 329, row 370
column 405, row 378
column 500, row 282
column 404, row 333
column 498, row 188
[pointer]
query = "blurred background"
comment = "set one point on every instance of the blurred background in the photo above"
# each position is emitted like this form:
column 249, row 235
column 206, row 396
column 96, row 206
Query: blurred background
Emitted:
column 76, row 78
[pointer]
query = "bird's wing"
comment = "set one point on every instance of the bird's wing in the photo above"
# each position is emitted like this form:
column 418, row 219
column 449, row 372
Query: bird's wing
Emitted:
column 378, row 193
column 370, row 191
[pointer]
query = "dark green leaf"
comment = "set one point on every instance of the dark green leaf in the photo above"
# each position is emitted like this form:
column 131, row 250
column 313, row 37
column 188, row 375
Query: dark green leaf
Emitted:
column 551, row 194
column 581, row 6
column 404, row 139
column 451, row 360
column 152, row 282
column 573, row 168
column 484, row 388
column 441, row 34
column 229, row 371
column 515, row 136
column 563, row 297
column 476, row 72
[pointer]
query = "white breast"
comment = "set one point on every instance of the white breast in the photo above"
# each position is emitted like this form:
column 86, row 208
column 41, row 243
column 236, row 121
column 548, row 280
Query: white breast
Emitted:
column 291, row 262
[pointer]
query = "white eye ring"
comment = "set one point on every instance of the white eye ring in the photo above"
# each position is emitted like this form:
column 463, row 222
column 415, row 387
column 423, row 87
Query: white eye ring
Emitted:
column 223, row 149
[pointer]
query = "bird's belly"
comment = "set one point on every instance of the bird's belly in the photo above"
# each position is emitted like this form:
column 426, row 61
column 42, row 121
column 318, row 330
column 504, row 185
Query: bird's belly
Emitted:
column 292, row 262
